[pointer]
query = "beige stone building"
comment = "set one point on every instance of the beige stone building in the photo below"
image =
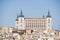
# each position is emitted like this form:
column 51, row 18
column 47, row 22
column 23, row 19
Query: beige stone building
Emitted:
column 33, row 24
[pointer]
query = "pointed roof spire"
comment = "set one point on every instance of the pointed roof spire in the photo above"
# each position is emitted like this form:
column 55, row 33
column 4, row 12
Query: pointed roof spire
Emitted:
column 17, row 18
column 43, row 16
column 21, row 15
column 21, row 12
column 48, row 14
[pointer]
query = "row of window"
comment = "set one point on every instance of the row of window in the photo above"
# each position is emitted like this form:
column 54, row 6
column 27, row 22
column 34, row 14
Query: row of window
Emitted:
column 35, row 21
column 35, row 25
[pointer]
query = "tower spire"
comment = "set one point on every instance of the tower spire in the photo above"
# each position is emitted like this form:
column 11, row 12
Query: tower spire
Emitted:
column 48, row 14
column 21, row 12
column 43, row 16
column 21, row 15
column 17, row 18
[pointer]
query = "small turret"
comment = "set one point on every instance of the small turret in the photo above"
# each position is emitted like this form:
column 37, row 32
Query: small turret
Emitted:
column 17, row 18
column 43, row 16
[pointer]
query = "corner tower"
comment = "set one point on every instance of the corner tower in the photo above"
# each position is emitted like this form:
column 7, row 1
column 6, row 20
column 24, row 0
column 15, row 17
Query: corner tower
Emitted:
column 49, row 19
column 21, row 22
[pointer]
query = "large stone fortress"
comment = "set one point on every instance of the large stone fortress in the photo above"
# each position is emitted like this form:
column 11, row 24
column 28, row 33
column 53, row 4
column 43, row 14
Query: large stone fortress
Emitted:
column 33, row 24
column 40, row 28
column 30, row 29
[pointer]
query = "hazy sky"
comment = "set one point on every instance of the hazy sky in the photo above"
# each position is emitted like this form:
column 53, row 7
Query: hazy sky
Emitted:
column 31, row 8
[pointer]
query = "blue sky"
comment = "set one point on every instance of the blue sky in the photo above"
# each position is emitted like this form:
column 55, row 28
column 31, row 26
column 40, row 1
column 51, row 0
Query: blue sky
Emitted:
column 31, row 8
